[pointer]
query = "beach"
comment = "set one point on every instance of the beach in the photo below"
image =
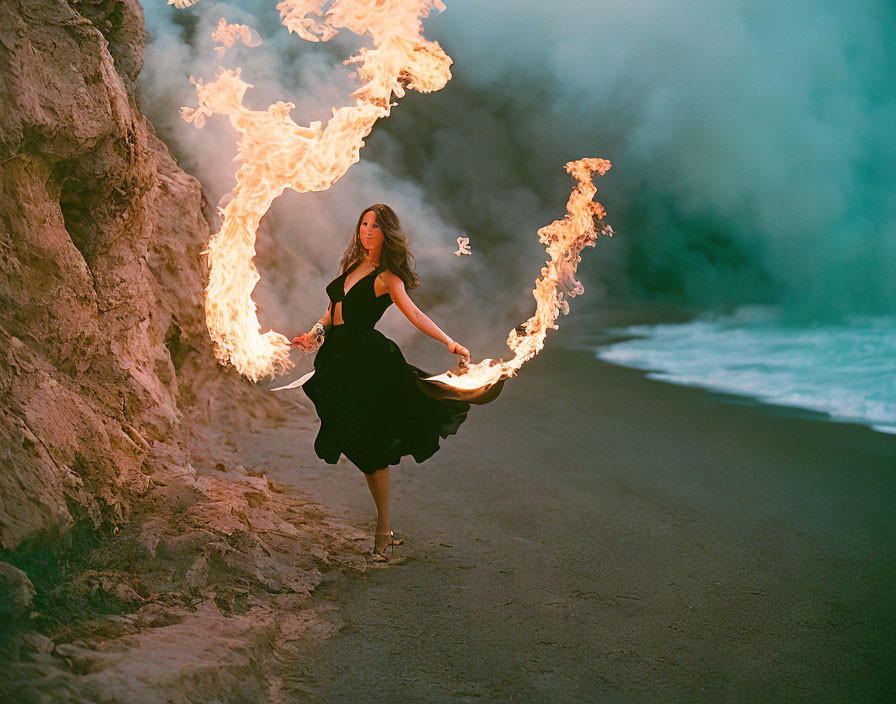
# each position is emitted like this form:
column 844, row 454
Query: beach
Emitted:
column 594, row 535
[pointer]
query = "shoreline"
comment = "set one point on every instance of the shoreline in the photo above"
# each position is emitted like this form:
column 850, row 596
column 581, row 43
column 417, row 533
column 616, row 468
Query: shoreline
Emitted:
column 742, row 399
column 591, row 340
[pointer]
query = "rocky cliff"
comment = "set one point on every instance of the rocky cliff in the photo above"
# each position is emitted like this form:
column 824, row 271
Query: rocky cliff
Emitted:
column 111, row 396
column 104, row 350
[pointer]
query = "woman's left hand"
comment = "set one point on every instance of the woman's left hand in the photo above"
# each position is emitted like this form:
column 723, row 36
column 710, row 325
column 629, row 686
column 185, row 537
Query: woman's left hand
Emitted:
column 457, row 348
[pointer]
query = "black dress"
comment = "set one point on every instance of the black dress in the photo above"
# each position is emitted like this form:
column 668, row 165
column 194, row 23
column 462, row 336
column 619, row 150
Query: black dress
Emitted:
column 374, row 407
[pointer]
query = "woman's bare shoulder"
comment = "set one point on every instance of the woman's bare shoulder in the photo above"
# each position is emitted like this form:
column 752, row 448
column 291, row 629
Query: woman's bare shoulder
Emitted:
column 391, row 279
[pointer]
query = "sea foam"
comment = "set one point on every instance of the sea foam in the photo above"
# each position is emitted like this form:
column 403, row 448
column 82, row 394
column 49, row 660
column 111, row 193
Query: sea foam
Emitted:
column 847, row 369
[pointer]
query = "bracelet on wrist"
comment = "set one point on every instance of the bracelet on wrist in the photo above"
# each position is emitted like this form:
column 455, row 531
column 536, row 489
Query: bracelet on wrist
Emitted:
column 319, row 330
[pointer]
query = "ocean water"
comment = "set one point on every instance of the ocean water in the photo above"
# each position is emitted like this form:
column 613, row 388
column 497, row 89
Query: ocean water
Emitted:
column 847, row 370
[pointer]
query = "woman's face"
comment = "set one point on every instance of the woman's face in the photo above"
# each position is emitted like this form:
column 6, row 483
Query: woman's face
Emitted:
column 371, row 234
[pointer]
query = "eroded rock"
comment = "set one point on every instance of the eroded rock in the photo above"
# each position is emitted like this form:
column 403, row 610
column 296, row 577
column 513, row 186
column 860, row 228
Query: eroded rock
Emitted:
column 153, row 549
column 16, row 591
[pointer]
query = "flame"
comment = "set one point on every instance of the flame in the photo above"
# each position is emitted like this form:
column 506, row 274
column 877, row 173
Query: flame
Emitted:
column 275, row 153
column 463, row 245
column 563, row 240
column 227, row 34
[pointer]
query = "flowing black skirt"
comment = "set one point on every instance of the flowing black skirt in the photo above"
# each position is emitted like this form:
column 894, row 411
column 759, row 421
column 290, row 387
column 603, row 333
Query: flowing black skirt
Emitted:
column 374, row 407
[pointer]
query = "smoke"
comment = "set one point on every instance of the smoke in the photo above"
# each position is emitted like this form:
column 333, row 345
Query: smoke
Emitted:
column 751, row 145
column 752, row 142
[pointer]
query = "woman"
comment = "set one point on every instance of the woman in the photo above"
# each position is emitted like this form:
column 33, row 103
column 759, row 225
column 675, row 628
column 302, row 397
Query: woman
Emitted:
column 374, row 407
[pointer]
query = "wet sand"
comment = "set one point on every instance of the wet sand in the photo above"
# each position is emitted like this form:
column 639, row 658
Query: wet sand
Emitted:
column 594, row 535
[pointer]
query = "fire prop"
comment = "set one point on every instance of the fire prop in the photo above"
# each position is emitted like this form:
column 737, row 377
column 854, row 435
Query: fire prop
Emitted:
column 275, row 154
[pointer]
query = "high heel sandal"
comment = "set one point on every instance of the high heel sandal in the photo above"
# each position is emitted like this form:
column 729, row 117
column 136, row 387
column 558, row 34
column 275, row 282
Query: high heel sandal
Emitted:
column 381, row 556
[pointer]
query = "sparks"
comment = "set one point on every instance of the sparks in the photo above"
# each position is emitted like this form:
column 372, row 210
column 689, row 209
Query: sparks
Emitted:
column 463, row 245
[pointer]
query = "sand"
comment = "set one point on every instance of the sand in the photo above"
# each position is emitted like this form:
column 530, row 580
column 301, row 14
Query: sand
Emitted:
column 594, row 535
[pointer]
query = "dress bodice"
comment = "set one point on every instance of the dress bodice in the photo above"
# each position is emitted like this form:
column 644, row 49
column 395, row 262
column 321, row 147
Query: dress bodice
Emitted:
column 361, row 307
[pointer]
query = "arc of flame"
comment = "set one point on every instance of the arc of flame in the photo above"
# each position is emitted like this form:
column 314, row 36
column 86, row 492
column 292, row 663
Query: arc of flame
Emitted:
column 564, row 240
column 275, row 153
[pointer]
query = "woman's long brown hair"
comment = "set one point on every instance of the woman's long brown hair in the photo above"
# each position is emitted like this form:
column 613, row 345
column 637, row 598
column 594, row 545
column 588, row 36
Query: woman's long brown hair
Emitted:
column 395, row 255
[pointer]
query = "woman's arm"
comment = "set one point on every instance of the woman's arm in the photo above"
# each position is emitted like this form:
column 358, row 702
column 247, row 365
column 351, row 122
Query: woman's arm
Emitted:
column 420, row 320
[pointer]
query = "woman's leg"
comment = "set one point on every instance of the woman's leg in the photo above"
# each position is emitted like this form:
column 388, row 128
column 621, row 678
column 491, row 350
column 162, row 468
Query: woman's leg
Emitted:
column 378, row 483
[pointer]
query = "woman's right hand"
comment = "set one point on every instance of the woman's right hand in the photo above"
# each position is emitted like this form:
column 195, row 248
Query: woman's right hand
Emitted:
column 304, row 341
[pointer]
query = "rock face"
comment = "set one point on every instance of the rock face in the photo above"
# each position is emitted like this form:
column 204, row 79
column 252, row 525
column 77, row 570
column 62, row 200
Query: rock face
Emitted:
column 103, row 351
column 141, row 561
